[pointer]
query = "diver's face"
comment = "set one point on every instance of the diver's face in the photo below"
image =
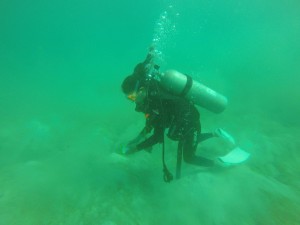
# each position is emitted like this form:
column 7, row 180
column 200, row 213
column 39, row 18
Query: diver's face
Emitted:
column 132, row 96
column 141, row 95
column 137, row 96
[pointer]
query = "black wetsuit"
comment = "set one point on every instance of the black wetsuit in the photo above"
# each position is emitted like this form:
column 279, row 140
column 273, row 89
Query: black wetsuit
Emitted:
column 181, row 118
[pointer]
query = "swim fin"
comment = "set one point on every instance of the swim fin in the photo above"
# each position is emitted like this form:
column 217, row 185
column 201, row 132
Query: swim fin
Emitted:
column 235, row 156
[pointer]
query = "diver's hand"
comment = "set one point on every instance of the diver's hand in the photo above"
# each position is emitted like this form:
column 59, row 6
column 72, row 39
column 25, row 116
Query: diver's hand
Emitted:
column 129, row 149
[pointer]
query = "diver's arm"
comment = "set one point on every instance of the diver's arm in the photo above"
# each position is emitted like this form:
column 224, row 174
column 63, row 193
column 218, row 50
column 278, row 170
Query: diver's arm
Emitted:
column 131, row 147
column 157, row 137
column 149, row 142
column 142, row 135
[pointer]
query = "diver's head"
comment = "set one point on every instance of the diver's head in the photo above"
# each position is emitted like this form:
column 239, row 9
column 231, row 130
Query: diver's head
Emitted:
column 135, row 91
column 129, row 84
column 139, row 97
column 132, row 88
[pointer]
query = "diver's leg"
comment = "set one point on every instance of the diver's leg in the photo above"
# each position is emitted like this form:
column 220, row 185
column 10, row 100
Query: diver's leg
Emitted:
column 205, row 136
column 217, row 133
column 189, row 148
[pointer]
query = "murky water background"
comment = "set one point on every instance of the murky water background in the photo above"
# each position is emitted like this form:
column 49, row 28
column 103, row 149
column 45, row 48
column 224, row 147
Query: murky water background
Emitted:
column 63, row 116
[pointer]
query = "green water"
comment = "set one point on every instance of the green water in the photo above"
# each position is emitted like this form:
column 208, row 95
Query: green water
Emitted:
column 62, row 113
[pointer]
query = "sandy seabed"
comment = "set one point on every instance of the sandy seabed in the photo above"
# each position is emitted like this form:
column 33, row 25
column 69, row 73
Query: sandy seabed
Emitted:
column 57, row 171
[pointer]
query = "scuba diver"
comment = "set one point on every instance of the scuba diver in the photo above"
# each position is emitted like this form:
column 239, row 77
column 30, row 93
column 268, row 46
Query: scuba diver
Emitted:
column 165, row 111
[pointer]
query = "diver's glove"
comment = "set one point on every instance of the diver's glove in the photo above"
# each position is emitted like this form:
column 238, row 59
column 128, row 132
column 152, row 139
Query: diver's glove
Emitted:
column 129, row 149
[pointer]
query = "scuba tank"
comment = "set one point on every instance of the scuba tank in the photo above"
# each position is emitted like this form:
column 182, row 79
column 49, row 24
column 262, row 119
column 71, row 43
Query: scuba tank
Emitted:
column 183, row 85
